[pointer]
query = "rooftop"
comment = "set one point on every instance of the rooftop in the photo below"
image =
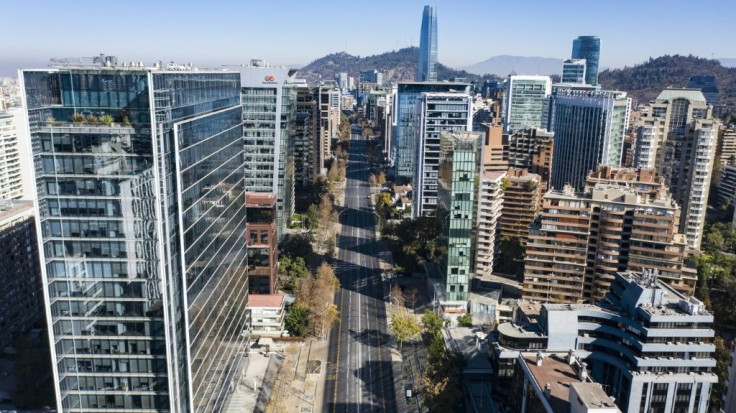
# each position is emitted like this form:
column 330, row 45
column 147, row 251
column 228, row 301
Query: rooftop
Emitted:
column 693, row 95
column 592, row 396
column 11, row 210
column 493, row 175
column 253, row 199
column 556, row 372
column 265, row 300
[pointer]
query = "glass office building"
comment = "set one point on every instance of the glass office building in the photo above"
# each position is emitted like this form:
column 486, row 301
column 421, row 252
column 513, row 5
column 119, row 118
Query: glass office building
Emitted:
column 460, row 158
column 269, row 116
column 573, row 71
column 588, row 48
column 141, row 215
column 404, row 138
column 589, row 129
column 436, row 112
column 524, row 100
column 427, row 67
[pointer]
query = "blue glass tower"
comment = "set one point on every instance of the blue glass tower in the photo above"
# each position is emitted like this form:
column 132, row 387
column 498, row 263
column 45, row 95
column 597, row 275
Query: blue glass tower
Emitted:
column 427, row 67
column 588, row 48
column 141, row 211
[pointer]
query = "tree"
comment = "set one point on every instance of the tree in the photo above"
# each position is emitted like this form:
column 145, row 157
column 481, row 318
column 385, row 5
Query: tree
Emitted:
column 311, row 218
column 298, row 245
column 405, row 327
column 372, row 180
column 411, row 294
column 465, row 320
column 723, row 359
column 317, row 294
column 296, row 321
column 397, row 297
column 432, row 323
column 382, row 178
column 291, row 270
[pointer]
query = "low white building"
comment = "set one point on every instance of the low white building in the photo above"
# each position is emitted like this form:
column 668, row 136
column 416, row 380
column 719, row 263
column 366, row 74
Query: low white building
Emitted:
column 267, row 314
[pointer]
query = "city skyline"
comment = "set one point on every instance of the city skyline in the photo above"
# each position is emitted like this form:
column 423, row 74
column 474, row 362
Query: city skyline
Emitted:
column 195, row 32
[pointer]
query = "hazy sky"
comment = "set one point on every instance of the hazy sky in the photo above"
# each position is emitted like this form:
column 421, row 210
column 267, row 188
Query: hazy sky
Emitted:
column 212, row 32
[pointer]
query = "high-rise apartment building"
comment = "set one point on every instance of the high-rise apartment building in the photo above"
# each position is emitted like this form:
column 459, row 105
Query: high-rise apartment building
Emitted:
column 647, row 345
column 327, row 96
column 141, row 223
column 21, row 300
column 306, row 134
column 573, row 71
column 522, row 200
column 435, row 113
column 589, row 128
column 427, row 66
column 532, row 149
column 11, row 178
column 524, row 98
column 676, row 135
column 726, row 145
column 261, row 218
column 459, row 169
column 625, row 219
column 404, row 137
column 588, row 48
column 495, row 147
column 490, row 202
column 727, row 186
column 269, row 116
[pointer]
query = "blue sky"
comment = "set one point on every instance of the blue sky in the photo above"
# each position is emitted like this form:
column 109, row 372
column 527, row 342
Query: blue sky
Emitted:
column 214, row 32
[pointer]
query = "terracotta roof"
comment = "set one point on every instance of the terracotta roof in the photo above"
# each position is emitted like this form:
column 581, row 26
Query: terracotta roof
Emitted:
column 266, row 300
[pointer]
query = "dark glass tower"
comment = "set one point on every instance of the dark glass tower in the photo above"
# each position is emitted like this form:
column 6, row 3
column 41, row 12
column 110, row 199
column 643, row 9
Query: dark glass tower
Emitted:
column 588, row 48
column 141, row 219
column 427, row 68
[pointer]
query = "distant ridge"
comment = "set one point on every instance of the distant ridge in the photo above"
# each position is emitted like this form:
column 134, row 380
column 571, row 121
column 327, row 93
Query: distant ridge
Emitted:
column 396, row 65
column 645, row 80
column 504, row 65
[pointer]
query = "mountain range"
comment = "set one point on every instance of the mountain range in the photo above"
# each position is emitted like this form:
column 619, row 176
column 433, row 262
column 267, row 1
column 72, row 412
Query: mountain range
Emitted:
column 644, row 81
column 396, row 66
column 504, row 65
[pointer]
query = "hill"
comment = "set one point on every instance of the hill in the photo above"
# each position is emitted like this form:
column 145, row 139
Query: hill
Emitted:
column 646, row 80
column 504, row 64
column 397, row 65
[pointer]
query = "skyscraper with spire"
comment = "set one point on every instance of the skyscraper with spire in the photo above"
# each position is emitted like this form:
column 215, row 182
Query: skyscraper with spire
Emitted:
column 427, row 67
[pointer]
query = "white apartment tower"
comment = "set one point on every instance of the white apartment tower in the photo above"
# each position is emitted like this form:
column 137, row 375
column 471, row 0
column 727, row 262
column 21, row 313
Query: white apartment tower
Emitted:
column 490, row 202
column 676, row 135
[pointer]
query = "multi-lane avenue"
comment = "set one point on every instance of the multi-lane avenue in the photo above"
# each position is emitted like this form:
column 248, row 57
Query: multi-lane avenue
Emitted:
column 359, row 372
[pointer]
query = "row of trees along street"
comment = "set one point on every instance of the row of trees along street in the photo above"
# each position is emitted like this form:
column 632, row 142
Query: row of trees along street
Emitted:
column 313, row 311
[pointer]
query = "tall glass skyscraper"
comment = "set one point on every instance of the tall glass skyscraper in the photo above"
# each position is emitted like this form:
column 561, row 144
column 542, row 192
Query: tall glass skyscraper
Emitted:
column 141, row 219
column 427, row 67
column 588, row 48
column 459, row 168
column 404, row 137
column 589, row 129
column 269, row 110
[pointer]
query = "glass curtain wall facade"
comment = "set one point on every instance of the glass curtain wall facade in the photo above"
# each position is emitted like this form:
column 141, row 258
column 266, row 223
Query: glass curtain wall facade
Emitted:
column 436, row 112
column 460, row 158
column 589, row 128
column 141, row 217
column 588, row 48
column 404, row 143
column 427, row 67
column 573, row 71
column 524, row 101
